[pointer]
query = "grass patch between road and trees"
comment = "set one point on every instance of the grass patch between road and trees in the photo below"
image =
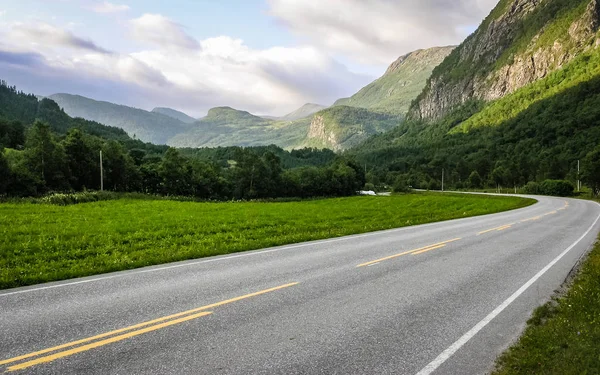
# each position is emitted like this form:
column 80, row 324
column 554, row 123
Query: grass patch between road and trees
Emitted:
column 44, row 242
column 562, row 336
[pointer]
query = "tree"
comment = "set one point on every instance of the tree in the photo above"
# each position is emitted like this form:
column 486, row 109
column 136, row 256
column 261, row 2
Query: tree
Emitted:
column 82, row 160
column 175, row 174
column 5, row 173
column 590, row 173
column 45, row 157
column 120, row 173
column 474, row 180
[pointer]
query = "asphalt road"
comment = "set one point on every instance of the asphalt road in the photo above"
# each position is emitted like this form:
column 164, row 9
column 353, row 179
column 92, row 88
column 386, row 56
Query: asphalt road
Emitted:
column 443, row 298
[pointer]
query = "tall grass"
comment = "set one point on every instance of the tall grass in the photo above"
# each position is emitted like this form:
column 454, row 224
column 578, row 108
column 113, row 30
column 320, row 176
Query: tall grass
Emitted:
column 40, row 243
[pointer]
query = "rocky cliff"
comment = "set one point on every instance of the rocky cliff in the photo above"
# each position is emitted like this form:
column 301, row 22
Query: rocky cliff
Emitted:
column 520, row 42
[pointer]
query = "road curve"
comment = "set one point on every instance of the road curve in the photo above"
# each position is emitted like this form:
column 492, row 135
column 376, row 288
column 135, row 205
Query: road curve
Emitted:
column 442, row 298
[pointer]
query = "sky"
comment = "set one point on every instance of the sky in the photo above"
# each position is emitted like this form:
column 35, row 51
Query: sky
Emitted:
column 268, row 57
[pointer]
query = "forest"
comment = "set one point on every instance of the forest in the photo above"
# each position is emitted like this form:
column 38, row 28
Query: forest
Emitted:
column 43, row 150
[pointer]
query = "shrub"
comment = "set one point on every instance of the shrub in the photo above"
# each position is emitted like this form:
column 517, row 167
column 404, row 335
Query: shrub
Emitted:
column 559, row 188
column 400, row 186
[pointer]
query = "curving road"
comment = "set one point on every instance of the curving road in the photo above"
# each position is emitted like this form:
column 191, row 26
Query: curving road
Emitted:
column 443, row 298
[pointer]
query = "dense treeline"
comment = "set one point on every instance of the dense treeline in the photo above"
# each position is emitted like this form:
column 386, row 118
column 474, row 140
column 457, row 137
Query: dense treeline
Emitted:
column 37, row 160
column 543, row 142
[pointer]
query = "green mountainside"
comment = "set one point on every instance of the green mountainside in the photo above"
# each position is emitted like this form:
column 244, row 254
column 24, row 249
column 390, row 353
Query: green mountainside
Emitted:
column 225, row 126
column 519, row 104
column 16, row 106
column 520, row 42
column 146, row 126
column 401, row 84
column 174, row 114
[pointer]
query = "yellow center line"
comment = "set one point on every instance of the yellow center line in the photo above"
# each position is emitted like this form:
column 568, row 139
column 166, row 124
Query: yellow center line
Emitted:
column 502, row 227
column 149, row 322
column 429, row 249
column 531, row 219
column 111, row 340
column 406, row 252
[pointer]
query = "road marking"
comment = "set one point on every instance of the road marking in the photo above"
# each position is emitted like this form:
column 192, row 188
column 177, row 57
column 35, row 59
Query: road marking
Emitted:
column 531, row 219
column 550, row 213
column 111, row 340
column 443, row 357
column 149, row 322
column 502, row 227
column 441, row 244
column 426, row 250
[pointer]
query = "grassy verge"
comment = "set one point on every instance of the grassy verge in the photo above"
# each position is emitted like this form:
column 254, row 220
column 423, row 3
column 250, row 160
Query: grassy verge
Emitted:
column 563, row 336
column 43, row 242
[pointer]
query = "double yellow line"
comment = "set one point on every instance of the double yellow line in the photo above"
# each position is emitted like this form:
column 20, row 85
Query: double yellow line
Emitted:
column 500, row 228
column 413, row 252
column 131, row 331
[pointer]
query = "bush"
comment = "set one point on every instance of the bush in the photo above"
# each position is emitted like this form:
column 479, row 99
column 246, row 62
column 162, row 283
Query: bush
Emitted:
column 400, row 186
column 559, row 188
column 532, row 188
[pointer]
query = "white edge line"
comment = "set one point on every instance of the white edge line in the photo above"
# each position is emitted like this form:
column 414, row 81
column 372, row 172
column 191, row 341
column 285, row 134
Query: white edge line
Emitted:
column 440, row 359
column 257, row 252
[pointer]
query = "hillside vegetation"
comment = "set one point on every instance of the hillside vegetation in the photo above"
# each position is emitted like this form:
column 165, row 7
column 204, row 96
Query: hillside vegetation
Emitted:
column 535, row 130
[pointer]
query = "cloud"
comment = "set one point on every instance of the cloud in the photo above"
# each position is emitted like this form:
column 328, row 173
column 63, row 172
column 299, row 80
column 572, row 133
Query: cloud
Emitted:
column 46, row 35
column 162, row 31
column 378, row 31
column 218, row 71
column 2, row 13
column 107, row 7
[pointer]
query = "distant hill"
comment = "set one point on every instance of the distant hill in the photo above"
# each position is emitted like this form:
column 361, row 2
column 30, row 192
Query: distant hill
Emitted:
column 225, row 126
column 147, row 126
column 174, row 114
column 401, row 84
column 304, row 111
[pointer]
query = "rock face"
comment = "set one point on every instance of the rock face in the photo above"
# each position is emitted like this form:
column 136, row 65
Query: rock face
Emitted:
column 318, row 132
column 500, row 57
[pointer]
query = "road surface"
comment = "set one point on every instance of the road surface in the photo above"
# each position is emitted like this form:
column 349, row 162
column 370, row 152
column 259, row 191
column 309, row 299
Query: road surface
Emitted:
column 443, row 298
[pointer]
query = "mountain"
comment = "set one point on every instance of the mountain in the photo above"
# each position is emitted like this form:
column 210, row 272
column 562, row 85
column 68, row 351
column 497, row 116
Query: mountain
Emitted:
column 225, row 126
column 26, row 108
column 520, row 42
column 304, row 111
column 401, row 84
column 174, row 114
column 517, row 102
column 341, row 127
column 147, row 126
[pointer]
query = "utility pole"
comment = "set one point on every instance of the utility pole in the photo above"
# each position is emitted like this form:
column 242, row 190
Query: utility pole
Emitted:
column 442, row 179
column 101, row 173
column 578, row 180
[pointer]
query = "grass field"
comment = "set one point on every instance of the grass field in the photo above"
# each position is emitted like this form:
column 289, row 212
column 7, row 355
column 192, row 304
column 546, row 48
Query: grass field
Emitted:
column 563, row 336
column 42, row 242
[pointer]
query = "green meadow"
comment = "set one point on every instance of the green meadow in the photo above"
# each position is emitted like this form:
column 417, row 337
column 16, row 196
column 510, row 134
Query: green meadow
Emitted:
column 44, row 242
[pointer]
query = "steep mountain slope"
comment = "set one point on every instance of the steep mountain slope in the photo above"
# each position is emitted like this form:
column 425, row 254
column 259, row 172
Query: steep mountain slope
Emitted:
column 517, row 102
column 401, row 84
column 304, row 111
column 341, row 127
column 174, row 114
column 520, row 42
column 147, row 126
column 26, row 108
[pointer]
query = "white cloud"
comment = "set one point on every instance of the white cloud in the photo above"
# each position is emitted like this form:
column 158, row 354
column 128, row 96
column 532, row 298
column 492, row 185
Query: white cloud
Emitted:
column 107, row 7
column 218, row 71
column 43, row 35
column 162, row 31
column 378, row 31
